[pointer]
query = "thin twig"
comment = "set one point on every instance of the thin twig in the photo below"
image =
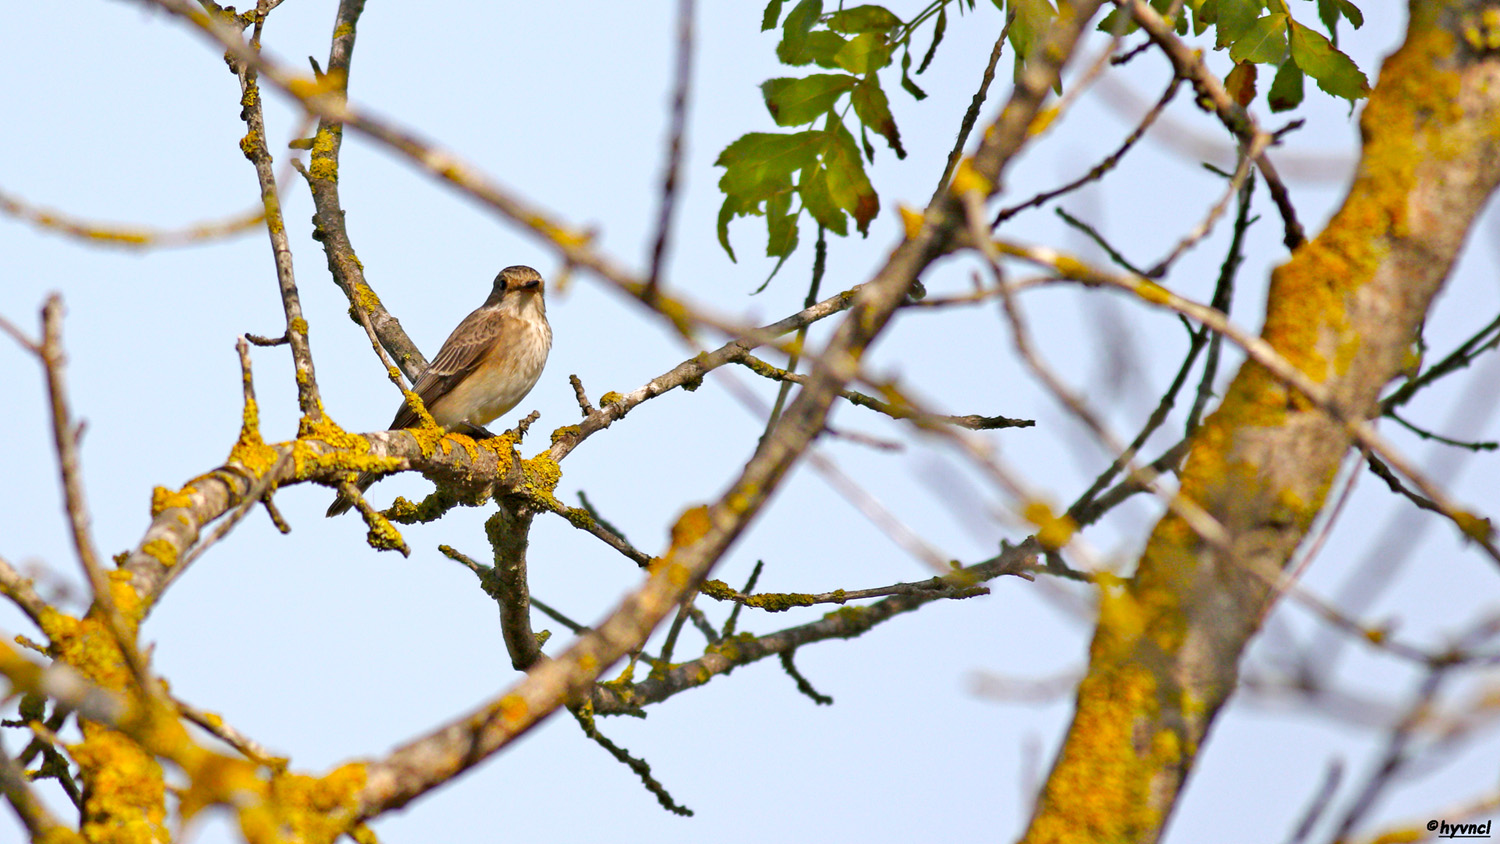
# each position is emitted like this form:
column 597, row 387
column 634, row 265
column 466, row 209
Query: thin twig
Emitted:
column 820, row 264
column 734, row 614
column 21, row 592
column 972, row 114
column 684, row 76
column 803, row 685
column 216, row 726
column 906, row 411
column 1458, row 359
column 34, row 814
column 65, row 436
column 1222, row 300
column 1189, row 63
column 255, row 149
column 1266, row 355
column 1319, row 804
column 259, row 490
column 129, row 236
column 1098, row 171
column 583, row 399
column 637, row 766
column 1397, row 751
column 1202, row 523
column 1223, row 290
column 952, row 585
column 1236, row 184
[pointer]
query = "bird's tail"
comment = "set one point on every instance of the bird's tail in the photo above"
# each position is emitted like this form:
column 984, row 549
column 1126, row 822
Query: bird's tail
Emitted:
column 343, row 503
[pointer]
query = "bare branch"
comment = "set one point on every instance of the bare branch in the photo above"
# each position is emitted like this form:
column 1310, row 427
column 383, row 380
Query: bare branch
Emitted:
column 255, row 149
column 684, row 78
column 129, row 236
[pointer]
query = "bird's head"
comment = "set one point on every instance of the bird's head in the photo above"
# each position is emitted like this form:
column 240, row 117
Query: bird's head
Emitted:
column 518, row 288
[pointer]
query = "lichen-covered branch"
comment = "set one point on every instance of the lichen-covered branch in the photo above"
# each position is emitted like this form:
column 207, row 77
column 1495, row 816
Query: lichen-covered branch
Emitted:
column 623, row 696
column 322, row 176
column 325, row 454
column 508, row 530
column 258, row 152
column 96, row 233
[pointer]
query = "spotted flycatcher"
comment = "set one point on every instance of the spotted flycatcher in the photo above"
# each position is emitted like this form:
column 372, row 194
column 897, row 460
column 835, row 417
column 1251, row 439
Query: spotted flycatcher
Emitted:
column 486, row 366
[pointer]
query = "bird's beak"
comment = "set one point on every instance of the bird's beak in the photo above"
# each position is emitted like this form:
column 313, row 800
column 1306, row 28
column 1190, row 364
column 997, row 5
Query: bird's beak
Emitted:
column 530, row 285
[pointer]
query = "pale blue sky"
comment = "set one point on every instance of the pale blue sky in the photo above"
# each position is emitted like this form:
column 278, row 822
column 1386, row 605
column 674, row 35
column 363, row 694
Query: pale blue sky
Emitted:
column 322, row 649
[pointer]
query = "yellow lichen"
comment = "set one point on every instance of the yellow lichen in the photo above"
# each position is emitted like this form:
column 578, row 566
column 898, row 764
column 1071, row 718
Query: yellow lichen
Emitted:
column 163, row 499
column 1101, row 779
column 303, row 808
column 1153, row 292
column 161, row 550
column 539, row 478
column 1053, row 531
column 383, row 536
column 1043, row 119
column 690, row 527
column 967, row 179
column 911, row 220
column 87, row 646
column 126, row 798
column 513, row 710
column 588, row 663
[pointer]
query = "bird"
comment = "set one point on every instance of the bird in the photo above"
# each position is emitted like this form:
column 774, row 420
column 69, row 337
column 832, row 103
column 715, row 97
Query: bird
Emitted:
column 485, row 367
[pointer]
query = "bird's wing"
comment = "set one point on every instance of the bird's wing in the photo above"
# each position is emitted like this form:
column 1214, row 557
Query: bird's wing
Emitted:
column 460, row 353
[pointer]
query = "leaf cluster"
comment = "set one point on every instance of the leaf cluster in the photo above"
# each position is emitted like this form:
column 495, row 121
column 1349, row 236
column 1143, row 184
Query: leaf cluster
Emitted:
column 1264, row 32
column 820, row 170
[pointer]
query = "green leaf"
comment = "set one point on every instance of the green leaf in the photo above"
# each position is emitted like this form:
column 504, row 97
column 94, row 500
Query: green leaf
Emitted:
column 1200, row 12
column 1117, row 22
column 874, row 110
column 813, row 186
column 773, row 14
column 1164, row 8
column 863, row 19
column 781, row 226
column 865, row 53
column 1286, row 88
column 1234, row 17
column 848, row 185
column 759, row 166
column 1264, row 42
column 1328, row 14
column 1352, row 12
column 938, row 30
column 794, row 102
column 1334, row 72
column 910, row 86
column 822, row 47
column 758, row 163
column 727, row 212
column 795, row 29
column 1032, row 18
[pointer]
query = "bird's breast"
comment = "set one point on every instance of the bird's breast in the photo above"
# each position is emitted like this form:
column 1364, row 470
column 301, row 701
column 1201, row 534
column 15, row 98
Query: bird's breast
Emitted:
column 501, row 378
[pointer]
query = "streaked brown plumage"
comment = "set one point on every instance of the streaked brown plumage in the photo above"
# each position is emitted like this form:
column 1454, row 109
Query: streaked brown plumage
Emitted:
column 486, row 366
